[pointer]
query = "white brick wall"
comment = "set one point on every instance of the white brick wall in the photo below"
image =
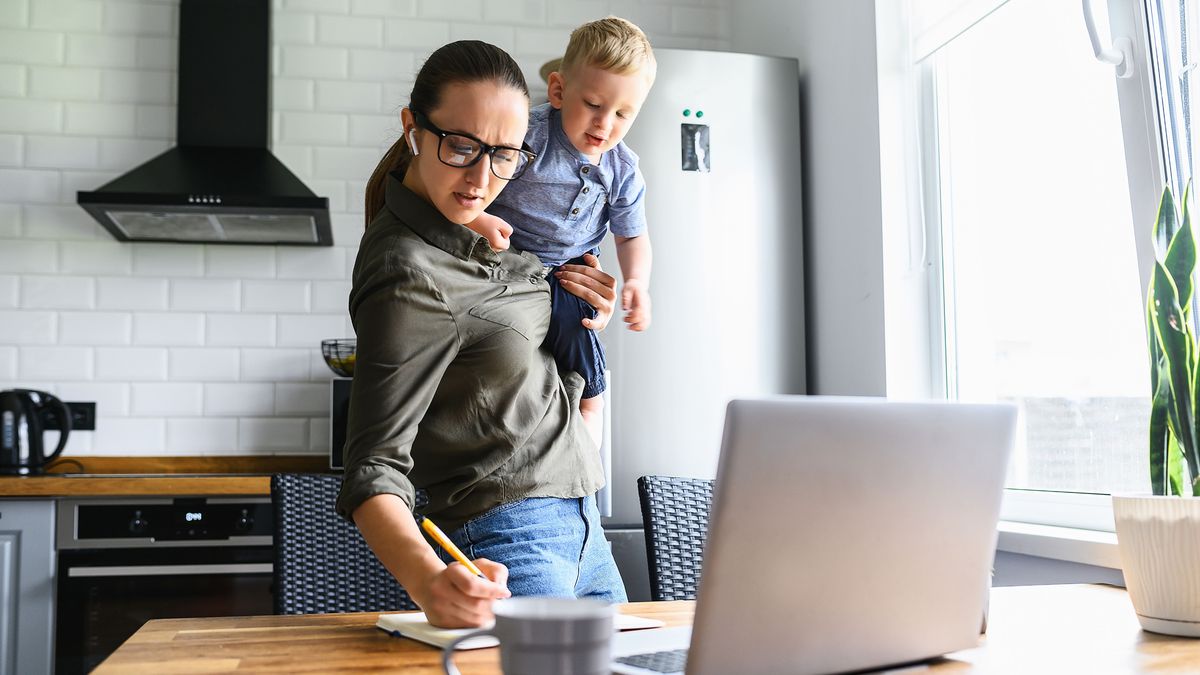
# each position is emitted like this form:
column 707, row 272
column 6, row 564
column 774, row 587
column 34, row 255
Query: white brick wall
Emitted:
column 192, row 349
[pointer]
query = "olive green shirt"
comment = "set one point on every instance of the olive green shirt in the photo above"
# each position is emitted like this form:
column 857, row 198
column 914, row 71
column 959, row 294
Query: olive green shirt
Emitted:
column 451, row 392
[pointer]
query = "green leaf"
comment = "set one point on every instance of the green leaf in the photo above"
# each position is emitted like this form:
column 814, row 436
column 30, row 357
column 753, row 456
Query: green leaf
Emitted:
column 1171, row 331
column 1180, row 260
column 1174, row 469
column 1165, row 224
column 1160, row 437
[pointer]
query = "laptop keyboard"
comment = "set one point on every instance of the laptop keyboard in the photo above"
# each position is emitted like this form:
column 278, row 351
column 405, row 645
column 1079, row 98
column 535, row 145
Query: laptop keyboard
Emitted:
column 671, row 661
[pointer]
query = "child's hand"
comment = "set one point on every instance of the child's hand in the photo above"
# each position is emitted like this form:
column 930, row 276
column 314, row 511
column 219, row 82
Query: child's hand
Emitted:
column 635, row 300
column 492, row 228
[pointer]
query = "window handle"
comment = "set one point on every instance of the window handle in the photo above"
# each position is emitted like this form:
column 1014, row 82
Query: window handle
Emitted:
column 1120, row 54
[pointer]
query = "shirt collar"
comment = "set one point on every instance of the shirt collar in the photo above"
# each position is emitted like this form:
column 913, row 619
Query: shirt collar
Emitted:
column 560, row 137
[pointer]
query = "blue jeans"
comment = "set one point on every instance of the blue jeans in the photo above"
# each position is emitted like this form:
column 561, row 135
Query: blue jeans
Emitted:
column 551, row 546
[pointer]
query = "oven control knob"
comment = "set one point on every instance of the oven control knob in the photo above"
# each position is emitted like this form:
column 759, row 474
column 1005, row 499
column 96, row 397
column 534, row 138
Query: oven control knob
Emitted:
column 245, row 522
column 138, row 525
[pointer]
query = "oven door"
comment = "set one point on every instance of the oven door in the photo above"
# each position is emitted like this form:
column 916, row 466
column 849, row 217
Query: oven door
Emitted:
column 104, row 596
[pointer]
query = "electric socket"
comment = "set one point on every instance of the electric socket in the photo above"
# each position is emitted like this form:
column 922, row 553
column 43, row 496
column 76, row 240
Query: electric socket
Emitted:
column 83, row 417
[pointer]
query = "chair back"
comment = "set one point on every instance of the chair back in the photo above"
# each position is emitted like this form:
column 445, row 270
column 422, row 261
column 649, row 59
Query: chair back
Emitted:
column 675, row 516
column 322, row 563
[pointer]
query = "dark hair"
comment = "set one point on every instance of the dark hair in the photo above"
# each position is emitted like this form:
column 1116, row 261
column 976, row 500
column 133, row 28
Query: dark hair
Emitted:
column 459, row 62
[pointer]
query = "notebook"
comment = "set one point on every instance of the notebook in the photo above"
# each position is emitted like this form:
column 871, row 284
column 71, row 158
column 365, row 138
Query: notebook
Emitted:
column 845, row 534
column 413, row 625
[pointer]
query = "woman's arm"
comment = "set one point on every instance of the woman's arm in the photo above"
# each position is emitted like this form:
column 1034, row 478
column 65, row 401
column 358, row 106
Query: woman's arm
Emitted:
column 451, row 596
column 594, row 286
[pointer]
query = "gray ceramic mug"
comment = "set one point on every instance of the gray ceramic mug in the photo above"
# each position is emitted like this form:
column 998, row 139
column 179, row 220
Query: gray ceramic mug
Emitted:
column 548, row 636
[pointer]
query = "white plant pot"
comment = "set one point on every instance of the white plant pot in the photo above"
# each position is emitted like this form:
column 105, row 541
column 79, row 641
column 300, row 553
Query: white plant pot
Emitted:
column 1159, row 540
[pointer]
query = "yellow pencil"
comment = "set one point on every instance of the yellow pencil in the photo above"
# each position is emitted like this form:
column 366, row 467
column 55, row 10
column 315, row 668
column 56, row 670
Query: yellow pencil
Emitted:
column 437, row 535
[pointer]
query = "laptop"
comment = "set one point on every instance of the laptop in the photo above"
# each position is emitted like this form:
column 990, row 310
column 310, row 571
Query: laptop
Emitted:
column 845, row 534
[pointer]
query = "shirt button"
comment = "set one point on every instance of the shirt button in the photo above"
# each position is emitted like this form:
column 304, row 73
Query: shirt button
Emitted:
column 574, row 211
column 585, row 190
column 585, row 169
column 534, row 280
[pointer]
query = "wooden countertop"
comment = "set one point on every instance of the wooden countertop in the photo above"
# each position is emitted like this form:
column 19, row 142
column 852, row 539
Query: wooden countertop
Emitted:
column 121, row 476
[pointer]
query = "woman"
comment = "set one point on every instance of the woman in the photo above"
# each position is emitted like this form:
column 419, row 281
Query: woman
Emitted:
column 454, row 407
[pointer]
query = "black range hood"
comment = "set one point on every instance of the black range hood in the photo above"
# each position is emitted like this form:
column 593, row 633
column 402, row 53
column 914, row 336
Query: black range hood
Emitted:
column 220, row 184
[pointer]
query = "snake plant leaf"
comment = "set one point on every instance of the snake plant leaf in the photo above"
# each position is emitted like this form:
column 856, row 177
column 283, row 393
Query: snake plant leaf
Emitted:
column 1173, row 339
column 1165, row 224
column 1180, row 260
column 1174, row 468
column 1160, row 437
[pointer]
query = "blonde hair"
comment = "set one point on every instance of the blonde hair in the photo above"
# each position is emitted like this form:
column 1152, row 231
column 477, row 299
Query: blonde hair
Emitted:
column 611, row 44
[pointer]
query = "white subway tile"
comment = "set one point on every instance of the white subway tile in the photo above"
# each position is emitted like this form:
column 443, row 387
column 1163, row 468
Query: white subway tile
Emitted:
column 57, row 292
column 99, row 257
column 549, row 41
column 131, row 293
column 101, row 119
column 26, row 185
column 66, row 16
column 463, row 10
column 320, row 371
column 101, row 51
column 8, row 363
column 205, row 295
column 123, row 154
column 275, row 365
column 27, row 328
column 168, row 398
column 319, row 439
column 8, row 292
column 383, row 7
column 156, row 121
column 271, row 296
column 14, row 13
column 61, row 152
column 30, row 116
column 138, row 19
column 172, row 329
column 292, row 94
column 503, row 37
column 311, row 263
column 125, row 364
column 94, row 328
column 202, row 364
column 59, row 222
column 55, row 363
column 211, row 435
column 238, row 399
column 350, row 31
column 413, row 34
column 526, row 12
column 293, row 29
column 348, row 230
column 333, row 190
column 162, row 260
column 29, row 256
column 382, row 65
column 10, row 221
column 324, row 6
column 315, row 128
column 301, row 399
column 297, row 158
column 376, row 131
column 240, row 330
column 24, row 46
column 574, row 14
column 299, row 61
column 356, row 194
column 353, row 164
column 650, row 18
column 137, row 86
column 272, row 435
column 349, row 96
column 700, row 21
column 156, row 53
column 242, row 262
column 308, row 330
column 12, row 80
column 331, row 297
column 110, row 399
column 64, row 84
column 11, row 150
column 124, row 436
column 75, row 181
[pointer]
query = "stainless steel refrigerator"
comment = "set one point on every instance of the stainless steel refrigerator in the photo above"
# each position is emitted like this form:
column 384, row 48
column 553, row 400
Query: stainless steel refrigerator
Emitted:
column 719, row 142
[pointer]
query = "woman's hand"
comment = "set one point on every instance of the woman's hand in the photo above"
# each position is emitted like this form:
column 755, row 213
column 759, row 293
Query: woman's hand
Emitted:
column 592, row 284
column 455, row 598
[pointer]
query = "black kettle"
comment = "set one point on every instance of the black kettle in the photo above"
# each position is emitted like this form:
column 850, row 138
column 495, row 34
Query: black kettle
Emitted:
column 22, row 412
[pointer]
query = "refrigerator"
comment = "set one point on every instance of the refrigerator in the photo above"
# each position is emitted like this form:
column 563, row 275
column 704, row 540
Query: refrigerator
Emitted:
column 719, row 146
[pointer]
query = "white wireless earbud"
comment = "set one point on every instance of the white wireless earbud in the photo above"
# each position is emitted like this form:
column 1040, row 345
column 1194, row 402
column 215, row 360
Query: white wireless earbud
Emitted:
column 412, row 141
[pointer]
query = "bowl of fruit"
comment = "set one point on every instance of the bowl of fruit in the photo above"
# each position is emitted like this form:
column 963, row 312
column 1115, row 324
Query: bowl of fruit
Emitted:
column 339, row 355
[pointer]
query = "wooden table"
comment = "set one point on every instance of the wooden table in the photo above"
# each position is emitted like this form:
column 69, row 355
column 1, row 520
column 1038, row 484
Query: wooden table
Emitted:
column 1033, row 629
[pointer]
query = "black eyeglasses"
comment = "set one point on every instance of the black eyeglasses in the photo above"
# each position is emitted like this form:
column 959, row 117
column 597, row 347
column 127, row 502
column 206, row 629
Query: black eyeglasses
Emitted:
column 460, row 151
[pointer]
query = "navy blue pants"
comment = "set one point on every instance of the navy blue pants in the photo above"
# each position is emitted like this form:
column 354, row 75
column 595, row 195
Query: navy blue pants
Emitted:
column 573, row 346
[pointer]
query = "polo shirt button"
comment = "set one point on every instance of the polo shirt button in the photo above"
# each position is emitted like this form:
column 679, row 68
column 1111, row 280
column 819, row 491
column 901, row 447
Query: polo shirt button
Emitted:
column 533, row 280
column 585, row 190
column 574, row 211
column 585, row 169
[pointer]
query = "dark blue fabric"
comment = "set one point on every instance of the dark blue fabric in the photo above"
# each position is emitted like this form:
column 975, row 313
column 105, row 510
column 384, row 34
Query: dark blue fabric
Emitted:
column 574, row 347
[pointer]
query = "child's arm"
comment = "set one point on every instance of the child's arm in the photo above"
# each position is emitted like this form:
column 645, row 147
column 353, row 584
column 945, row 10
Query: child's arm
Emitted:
column 493, row 228
column 635, row 256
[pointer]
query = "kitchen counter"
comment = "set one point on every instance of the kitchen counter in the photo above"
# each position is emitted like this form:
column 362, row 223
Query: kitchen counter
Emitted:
column 174, row 476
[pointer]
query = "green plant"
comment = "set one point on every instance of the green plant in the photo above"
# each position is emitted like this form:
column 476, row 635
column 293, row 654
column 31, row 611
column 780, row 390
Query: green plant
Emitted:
column 1174, row 353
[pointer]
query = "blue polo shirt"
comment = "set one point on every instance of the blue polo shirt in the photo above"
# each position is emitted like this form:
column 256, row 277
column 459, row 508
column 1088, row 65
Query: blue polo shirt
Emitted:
column 563, row 205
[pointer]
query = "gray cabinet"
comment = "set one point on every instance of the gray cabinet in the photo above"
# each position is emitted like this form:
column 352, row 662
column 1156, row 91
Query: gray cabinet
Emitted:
column 26, row 586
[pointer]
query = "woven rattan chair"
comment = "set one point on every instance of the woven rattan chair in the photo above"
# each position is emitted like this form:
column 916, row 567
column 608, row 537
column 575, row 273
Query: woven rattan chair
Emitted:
column 675, row 515
column 322, row 564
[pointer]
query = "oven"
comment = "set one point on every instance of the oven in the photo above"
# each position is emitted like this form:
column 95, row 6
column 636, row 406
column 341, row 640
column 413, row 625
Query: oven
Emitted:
column 122, row 562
